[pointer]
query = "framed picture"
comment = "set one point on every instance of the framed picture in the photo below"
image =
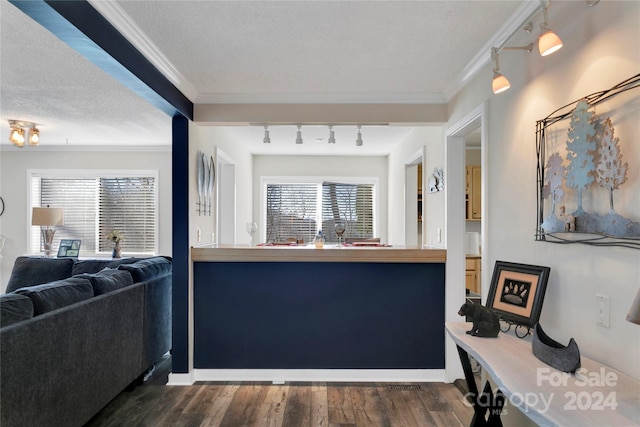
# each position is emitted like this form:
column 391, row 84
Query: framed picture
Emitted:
column 517, row 292
column 69, row 248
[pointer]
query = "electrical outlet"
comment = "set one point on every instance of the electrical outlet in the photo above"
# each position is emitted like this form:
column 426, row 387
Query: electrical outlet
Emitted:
column 199, row 233
column 603, row 310
column 439, row 235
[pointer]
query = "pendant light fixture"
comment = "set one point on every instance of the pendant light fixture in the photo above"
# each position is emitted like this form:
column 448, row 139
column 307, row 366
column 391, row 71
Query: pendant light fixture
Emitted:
column 359, row 139
column 266, row 139
column 548, row 42
column 299, row 135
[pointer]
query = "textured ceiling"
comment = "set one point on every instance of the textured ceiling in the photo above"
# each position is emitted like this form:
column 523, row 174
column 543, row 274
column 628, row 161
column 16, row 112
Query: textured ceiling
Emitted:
column 245, row 51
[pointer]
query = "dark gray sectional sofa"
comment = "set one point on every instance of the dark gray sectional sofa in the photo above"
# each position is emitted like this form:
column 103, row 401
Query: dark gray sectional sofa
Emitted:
column 74, row 334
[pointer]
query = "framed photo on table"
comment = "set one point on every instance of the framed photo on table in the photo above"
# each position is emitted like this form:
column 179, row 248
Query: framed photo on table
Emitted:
column 69, row 248
column 517, row 292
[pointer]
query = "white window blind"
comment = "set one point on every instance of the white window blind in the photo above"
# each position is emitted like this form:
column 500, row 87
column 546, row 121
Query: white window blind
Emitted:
column 291, row 211
column 94, row 205
column 299, row 211
column 128, row 205
column 351, row 204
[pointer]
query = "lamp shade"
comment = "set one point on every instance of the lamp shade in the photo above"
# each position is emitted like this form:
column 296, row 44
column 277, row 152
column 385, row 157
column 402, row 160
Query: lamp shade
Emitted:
column 500, row 83
column 548, row 43
column 48, row 217
column 634, row 313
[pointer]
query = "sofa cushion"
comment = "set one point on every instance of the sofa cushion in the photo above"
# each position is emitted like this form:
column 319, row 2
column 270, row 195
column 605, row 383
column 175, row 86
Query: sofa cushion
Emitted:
column 14, row 308
column 147, row 268
column 108, row 280
column 29, row 271
column 92, row 266
column 58, row 294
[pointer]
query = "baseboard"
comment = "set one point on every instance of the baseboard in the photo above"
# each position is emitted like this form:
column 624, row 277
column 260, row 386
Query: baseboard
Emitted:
column 181, row 379
column 279, row 376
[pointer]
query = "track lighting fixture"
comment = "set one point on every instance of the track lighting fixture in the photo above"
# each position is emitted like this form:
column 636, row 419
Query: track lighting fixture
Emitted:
column 18, row 130
column 299, row 135
column 548, row 42
column 266, row 139
column 332, row 135
column 359, row 139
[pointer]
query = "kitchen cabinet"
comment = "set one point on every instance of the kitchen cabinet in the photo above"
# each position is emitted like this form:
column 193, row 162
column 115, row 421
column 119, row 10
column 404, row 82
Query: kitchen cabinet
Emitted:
column 473, row 195
column 473, row 274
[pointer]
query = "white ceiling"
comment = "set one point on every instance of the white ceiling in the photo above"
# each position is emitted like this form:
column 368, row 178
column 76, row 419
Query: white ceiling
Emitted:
column 247, row 51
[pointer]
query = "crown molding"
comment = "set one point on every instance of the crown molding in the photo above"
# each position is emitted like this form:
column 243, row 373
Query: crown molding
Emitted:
column 117, row 17
column 517, row 21
column 86, row 148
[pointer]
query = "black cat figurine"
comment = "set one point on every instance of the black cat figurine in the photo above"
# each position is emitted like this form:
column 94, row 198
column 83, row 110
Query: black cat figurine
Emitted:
column 485, row 322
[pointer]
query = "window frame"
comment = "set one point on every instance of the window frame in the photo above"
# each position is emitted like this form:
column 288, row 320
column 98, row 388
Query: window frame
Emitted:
column 318, row 180
column 32, row 231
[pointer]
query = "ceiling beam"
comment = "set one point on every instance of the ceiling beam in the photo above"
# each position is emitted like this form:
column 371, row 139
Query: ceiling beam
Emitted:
column 392, row 114
column 83, row 28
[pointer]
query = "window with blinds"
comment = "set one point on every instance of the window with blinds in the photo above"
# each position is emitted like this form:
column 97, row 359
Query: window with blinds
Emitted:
column 299, row 211
column 350, row 204
column 95, row 205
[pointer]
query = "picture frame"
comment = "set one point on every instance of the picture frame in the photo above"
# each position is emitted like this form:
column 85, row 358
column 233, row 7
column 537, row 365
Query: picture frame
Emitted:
column 69, row 248
column 517, row 292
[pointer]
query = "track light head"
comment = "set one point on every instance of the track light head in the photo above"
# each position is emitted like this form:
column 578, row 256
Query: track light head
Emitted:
column 548, row 42
column 299, row 135
column 359, row 139
column 332, row 135
column 500, row 83
column 267, row 138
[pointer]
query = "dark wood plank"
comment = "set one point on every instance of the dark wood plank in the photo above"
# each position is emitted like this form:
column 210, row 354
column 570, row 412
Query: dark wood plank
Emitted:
column 242, row 406
column 340, row 405
column 396, row 406
column 367, row 406
column 319, row 409
column 298, row 408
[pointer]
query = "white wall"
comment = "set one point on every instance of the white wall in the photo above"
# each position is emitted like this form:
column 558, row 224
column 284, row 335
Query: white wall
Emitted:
column 431, row 138
column 14, row 189
column 323, row 166
column 207, row 139
column 601, row 48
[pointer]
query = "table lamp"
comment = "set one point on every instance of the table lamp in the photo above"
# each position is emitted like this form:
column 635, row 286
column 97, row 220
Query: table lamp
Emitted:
column 634, row 313
column 47, row 218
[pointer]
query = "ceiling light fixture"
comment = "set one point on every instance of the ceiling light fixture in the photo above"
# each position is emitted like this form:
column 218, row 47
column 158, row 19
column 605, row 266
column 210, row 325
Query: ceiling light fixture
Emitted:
column 266, row 139
column 359, row 139
column 18, row 130
column 332, row 135
column 299, row 135
column 548, row 42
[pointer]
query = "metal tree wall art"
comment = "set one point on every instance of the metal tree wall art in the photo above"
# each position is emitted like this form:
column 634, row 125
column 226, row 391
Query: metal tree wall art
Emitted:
column 584, row 174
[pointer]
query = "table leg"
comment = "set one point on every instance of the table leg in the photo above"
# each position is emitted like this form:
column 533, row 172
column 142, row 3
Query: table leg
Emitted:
column 481, row 402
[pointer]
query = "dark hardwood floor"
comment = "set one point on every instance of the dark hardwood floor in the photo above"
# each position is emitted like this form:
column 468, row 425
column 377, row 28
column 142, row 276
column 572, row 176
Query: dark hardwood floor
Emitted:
column 293, row 404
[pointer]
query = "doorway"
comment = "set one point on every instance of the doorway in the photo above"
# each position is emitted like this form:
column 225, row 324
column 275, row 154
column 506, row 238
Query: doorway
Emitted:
column 455, row 147
column 413, row 210
column 226, row 186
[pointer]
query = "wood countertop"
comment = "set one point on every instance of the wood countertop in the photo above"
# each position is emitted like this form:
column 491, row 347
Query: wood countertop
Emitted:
column 309, row 253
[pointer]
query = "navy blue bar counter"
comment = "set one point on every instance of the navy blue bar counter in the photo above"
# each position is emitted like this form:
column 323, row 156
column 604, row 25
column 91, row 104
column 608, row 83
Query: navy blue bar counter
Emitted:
column 305, row 308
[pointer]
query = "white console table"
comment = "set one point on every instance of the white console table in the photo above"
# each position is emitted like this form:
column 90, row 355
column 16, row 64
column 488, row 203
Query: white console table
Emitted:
column 596, row 395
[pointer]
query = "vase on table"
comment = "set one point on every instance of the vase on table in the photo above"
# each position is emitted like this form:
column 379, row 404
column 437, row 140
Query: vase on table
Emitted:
column 117, row 251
